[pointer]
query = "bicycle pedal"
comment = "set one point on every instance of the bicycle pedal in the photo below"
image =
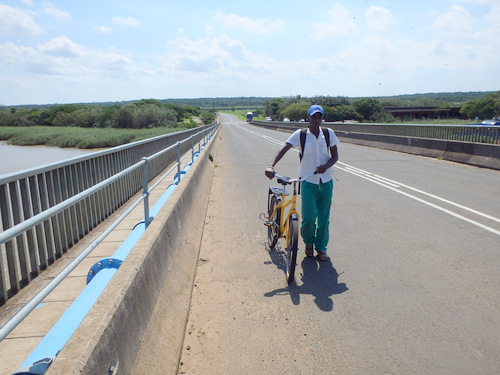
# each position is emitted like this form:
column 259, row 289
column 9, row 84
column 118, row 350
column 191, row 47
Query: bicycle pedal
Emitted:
column 268, row 223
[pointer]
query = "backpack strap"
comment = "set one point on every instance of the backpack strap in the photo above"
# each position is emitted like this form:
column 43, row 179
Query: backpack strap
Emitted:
column 326, row 133
column 303, row 133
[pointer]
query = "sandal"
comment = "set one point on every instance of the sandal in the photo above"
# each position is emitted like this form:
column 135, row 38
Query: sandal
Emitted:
column 309, row 251
column 322, row 256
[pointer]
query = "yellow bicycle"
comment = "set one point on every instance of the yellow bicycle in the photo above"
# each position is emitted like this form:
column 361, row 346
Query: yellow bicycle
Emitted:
column 282, row 224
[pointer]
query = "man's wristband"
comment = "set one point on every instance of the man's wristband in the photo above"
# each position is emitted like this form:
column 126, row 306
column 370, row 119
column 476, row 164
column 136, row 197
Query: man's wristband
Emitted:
column 270, row 166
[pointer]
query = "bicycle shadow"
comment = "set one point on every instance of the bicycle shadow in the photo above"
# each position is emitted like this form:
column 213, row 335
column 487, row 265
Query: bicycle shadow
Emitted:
column 319, row 279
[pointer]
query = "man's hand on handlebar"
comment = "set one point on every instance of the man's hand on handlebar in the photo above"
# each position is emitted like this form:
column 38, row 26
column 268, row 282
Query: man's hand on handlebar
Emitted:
column 321, row 169
column 270, row 172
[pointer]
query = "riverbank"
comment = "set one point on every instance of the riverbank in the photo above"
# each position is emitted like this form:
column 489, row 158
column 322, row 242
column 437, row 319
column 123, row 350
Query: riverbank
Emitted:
column 82, row 138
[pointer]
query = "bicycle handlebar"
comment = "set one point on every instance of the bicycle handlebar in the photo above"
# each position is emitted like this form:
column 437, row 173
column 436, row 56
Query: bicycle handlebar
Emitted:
column 292, row 180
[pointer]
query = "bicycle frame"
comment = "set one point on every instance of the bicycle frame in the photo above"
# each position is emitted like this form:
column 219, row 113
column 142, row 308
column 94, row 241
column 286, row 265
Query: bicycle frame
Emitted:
column 283, row 204
column 281, row 224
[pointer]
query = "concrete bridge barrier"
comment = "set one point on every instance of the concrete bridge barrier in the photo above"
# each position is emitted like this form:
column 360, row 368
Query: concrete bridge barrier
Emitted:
column 485, row 155
column 477, row 154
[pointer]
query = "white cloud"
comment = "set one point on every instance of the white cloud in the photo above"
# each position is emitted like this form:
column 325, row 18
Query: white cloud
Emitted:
column 463, row 41
column 16, row 56
column 483, row 2
column 61, row 71
column 63, row 47
column 456, row 20
column 195, row 65
column 209, row 54
column 62, row 57
column 379, row 19
column 51, row 10
column 103, row 29
column 29, row 3
column 493, row 18
column 17, row 22
column 258, row 26
column 130, row 21
column 339, row 24
column 116, row 64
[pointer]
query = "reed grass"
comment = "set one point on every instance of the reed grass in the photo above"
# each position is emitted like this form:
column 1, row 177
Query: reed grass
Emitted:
column 84, row 138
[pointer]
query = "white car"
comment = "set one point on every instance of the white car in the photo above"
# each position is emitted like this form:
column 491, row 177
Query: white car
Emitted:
column 491, row 122
column 269, row 119
column 286, row 119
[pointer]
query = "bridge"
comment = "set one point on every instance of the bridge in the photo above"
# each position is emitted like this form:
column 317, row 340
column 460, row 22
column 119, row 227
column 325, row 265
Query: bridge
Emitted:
column 411, row 286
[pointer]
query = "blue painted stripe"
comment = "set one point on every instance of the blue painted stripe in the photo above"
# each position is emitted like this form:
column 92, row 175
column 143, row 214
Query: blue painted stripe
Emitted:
column 64, row 328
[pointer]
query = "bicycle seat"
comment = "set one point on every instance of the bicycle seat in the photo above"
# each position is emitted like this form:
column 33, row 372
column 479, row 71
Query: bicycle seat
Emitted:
column 283, row 182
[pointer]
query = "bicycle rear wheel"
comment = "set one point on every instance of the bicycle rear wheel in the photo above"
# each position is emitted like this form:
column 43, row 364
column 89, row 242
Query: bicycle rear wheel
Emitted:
column 273, row 229
column 291, row 248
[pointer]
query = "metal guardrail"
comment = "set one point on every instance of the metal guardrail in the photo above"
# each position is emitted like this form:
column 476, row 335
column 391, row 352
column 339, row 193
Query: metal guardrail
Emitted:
column 99, row 276
column 465, row 133
column 47, row 210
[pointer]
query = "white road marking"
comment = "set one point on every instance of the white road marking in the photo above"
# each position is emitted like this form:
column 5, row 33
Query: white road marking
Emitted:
column 489, row 217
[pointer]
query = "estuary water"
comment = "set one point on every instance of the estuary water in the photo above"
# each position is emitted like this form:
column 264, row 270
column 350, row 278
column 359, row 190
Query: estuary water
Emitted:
column 17, row 158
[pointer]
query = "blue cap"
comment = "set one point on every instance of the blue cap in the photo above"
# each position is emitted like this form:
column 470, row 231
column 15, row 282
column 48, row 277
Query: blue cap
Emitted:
column 315, row 109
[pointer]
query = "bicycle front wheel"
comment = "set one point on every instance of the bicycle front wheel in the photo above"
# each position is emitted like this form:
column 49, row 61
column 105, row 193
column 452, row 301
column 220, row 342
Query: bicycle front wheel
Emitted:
column 291, row 248
column 273, row 228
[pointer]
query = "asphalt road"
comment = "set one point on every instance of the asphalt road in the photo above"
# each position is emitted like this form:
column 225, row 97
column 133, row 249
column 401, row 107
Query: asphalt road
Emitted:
column 413, row 285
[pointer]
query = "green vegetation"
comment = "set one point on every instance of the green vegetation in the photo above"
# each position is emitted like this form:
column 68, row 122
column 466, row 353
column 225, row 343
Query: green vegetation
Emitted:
column 77, row 137
column 208, row 117
column 96, row 126
column 109, row 124
column 221, row 104
column 485, row 107
column 143, row 114
column 465, row 105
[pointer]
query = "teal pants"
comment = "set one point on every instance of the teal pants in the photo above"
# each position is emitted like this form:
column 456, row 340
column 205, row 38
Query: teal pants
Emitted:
column 316, row 203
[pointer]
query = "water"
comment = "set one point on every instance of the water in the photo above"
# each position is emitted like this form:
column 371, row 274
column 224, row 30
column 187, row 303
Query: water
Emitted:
column 18, row 158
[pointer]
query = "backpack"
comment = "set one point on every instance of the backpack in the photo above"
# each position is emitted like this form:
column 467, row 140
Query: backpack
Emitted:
column 303, row 134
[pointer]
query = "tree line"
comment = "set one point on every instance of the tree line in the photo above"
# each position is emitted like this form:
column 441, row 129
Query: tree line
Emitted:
column 150, row 113
column 142, row 114
column 340, row 108
column 408, row 100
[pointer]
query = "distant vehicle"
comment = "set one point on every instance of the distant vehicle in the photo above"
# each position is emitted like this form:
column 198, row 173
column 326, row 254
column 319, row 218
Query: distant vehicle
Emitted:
column 269, row 119
column 286, row 119
column 249, row 116
column 491, row 122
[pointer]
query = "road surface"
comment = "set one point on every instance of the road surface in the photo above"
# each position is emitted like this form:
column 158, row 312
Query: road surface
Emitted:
column 413, row 285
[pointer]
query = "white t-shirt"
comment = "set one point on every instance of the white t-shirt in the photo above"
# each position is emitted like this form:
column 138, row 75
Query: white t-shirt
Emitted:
column 315, row 154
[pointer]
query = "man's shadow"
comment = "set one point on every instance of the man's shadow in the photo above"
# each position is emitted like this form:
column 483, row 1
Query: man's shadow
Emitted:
column 319, row 278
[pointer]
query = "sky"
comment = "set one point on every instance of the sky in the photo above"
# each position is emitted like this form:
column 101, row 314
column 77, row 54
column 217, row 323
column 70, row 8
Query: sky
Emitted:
column 64, row 51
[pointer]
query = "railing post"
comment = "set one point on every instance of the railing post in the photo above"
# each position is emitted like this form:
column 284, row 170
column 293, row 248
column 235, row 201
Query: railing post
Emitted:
column 192, row 148
column 178, row 162
column 145, row 191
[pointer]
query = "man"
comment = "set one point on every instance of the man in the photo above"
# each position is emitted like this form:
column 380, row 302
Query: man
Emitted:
column 317, row 190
